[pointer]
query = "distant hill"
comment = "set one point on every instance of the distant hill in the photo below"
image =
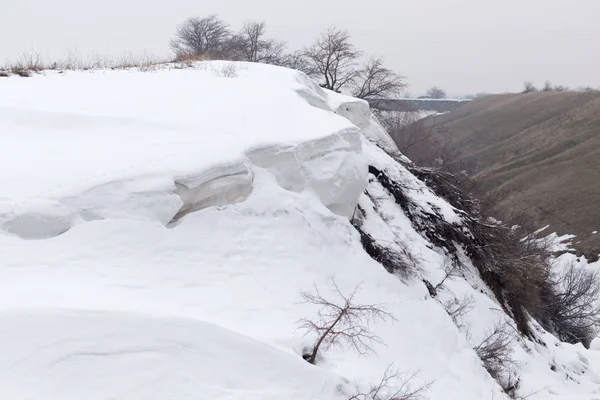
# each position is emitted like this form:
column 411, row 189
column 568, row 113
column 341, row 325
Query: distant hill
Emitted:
column 540, row 152
column 438, row 105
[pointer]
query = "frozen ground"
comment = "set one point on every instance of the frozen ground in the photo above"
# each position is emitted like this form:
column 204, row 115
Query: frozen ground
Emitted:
column 178, row 214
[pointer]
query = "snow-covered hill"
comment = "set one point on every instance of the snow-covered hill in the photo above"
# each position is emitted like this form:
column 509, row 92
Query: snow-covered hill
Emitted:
column 158, row 228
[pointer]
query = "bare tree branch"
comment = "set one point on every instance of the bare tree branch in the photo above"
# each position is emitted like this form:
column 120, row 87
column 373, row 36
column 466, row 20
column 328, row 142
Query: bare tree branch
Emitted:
column 374, row 81
column 251, row 45
column 394, row 385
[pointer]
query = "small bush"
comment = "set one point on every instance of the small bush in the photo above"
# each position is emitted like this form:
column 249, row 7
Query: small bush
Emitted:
column 392, row 260
column 458, row 308
column 25, row 73
column 548, row 87
column 572, row 308
column 516, row 269
column 394, row 385
column 528, row 87
column 495, row 350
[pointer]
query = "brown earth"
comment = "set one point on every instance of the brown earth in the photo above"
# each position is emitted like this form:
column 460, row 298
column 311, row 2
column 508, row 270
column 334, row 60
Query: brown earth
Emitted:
column 540, row 152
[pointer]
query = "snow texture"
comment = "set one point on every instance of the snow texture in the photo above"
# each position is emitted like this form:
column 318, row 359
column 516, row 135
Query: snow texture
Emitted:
column 178, row 216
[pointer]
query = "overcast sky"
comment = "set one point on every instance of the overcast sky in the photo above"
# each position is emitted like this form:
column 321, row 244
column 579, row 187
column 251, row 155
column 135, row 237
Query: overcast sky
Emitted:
column 463, row 46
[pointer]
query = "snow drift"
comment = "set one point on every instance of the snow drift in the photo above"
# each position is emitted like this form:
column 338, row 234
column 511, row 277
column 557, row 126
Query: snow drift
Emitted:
column 178, row 216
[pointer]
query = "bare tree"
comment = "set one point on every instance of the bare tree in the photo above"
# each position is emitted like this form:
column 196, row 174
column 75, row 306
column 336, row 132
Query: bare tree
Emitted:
column 435, row 93
column 198, row 37
column 251, row 45
column 560, row 88
column 394, row 385
column 332, row 58
column 528, row 87
column 374, row 81
column 574, row 308
column 340, row 321
column 547, row 87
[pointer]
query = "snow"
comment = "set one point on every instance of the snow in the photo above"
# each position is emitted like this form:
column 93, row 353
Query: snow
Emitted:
column 179, row 214
column 177, row 358
column 89, row 144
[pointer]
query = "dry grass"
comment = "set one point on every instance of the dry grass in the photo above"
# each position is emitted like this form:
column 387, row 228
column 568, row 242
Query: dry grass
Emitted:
column 28, row 64
column 540, row 152
column 31, row 63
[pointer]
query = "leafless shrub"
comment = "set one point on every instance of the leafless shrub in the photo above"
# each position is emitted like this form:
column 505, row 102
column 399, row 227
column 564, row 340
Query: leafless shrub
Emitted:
column 573, row 309
column 528, row 87
column 332, row 59
column 226, row 71
column 340, row 322
column 31, row 62
column 25, row 73
column 394, row 120
column 374, row 81
column 587, row 88
column 458, row 308
column 495, row 350
column 250, row 44
column 394, row 385
column 25, row 65
column 434, row 93
column 516, row 269
column 198, row 37
column 389, row 254
column 547, row 87
column 451, row 270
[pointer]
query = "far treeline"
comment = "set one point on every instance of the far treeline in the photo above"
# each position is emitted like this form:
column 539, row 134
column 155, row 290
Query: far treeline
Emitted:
column 529, row 87
column 332, row 59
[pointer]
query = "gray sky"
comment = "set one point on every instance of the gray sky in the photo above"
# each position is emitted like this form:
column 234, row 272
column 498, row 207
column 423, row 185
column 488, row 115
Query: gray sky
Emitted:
column 463, row 46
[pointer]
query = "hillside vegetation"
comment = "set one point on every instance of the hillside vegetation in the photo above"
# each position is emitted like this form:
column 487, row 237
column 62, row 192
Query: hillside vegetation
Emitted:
column 540, row 152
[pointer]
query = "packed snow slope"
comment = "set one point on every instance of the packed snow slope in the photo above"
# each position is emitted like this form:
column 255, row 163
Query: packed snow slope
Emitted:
column 158, row 228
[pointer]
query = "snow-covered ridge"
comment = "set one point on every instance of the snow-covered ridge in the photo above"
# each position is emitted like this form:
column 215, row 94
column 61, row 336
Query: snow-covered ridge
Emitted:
column 94, row 145
column 183, row 212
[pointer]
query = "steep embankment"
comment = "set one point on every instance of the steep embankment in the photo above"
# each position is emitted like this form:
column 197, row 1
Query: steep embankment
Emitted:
column 541, row 152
